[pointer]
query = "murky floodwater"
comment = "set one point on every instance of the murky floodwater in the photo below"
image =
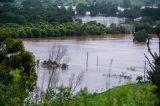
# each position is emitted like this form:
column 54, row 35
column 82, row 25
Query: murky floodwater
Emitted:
column 128, row 59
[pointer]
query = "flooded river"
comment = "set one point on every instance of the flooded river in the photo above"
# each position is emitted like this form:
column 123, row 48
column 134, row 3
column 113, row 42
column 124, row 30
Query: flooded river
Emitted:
column 128, row 59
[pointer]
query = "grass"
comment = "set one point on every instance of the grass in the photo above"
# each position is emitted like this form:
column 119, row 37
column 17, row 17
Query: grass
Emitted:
column 119, row 2
column 128, row 95
column 133, row 2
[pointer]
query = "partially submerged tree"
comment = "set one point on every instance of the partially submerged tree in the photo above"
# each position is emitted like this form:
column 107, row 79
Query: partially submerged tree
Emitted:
column 57, row 60
column 139, row 79
column 141, row 36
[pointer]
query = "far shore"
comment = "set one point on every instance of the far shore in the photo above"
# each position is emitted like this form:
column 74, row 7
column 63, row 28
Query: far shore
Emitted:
column 84, row 37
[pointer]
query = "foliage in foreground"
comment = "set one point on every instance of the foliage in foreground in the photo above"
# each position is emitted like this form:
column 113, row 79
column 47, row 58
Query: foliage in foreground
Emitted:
column 17, row 71
column 129, row 95
column 154, row 72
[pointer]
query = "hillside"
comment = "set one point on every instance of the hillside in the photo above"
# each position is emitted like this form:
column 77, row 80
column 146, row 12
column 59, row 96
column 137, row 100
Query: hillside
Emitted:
column 129, row 95
column 119, row 2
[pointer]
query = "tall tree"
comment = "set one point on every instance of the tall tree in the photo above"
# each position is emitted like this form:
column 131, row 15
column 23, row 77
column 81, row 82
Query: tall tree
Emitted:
column 81, row 9
column 6, row 1
column 153, row 3
column 126, row 3
column 32, row 4
column 13, row 56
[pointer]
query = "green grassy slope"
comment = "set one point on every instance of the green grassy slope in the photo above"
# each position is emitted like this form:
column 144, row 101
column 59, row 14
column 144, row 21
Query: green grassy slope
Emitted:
column 119, row 2
column 128, row 95
column 133, row 2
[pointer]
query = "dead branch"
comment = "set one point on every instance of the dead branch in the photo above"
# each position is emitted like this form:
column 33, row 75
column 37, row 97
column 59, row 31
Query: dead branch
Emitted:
column 71, row 81
column 57, row 57
column 149, row 49
column 149, row 61
column 79, row 80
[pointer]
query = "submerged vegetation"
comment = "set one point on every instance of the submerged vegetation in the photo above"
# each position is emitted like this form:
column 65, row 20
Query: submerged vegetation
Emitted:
column 141, row 36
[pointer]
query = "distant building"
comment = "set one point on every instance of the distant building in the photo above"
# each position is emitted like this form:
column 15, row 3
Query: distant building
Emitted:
column 66, row 7
column 143, row 7
column 138, row 19
column 88, row 13
column 103, row 20
column 120, row 8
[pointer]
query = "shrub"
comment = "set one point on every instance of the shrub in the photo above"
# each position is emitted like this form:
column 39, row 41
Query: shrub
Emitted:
column 140, row 36
column 139, row 79
column 36, row 32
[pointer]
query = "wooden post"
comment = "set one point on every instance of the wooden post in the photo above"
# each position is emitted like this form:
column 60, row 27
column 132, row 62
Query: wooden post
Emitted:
column 42, row 85
column 110, row 73
column 144, row 71
column 87, row 63
column 159, row 40
column 97, row 63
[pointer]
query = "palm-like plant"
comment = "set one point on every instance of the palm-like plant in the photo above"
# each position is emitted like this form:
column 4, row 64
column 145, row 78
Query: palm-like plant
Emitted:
column 154, row 73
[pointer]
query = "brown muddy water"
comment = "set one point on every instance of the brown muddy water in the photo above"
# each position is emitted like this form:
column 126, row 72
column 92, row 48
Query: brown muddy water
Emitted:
column 128, row 59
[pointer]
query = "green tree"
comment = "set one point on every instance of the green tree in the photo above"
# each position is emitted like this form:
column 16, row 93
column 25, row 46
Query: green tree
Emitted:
column 146, row 20
column 6, row 1
column 19, row 19
column 81, row 9
column 126, row 3
column 36, row 19
column 14, row 94
column 141, row 36
column 139, row 79
column 32, row 3
column 12, row 57
column 7, row 17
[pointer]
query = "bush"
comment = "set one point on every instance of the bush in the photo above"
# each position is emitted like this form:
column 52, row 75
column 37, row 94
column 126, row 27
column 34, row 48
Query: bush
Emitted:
column 36, row 32
column 17, row 71
column 139, row 79
column 140, row 36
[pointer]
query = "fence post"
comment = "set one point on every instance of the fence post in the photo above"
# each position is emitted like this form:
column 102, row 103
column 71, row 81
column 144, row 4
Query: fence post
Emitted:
column 144, row 71
column 87, row 63
column 97, row 63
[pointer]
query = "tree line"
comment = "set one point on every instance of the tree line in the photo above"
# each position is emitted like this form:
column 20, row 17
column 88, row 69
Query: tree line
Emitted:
column 70, row 29
column 33, row 13
column 54, row 30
